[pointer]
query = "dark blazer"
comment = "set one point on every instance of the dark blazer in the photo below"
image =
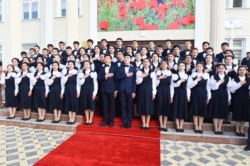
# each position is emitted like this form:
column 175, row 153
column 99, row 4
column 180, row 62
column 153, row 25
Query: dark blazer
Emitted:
column 107, row 85
column 246, row 61
column 200, row 57
column 184, row 53
column 126, row 84
column 220, row 57
column 64, row 56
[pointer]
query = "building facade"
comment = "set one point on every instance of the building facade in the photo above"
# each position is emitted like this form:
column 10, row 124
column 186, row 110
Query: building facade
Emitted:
column 24, row 23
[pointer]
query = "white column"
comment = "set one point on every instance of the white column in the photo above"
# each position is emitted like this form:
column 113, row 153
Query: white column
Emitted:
column 72, row 21
column 217, row 24
column 93, row 20
column 199, row 37
column 13, row 44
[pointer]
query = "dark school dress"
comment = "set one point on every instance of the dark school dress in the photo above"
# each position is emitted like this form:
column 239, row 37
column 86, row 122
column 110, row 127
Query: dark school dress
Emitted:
column 86, row 94
column 70, row 95
column 145, row 103
column 10, row 98
column 218, row 106
column 55, row 102
column 24, row 88
column 198, row 97
column 39, row 93
column 240, row 106
column 163, row 95
column 180, row 100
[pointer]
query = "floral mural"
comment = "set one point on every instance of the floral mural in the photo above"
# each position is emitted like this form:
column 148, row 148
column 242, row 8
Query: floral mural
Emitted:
column 129, row 15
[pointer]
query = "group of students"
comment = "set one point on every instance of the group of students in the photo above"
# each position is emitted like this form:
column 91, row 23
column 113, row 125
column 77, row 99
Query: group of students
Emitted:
column 147, row 80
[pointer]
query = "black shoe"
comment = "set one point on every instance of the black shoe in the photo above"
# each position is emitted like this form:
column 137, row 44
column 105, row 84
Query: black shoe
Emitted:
column 247, row 148
column 53, row 121
column 103, row 124
column 238, row 134
column 242, row 134
column 68, row 123
column 177, row 130
column 143, row 128
column 12, row 117
column 196, row 131
column 128, row 125
column 165, row 129
column 200, row 131
column 90, row 123
column 181, row 130
column 58, row 121
column 86, row 123
column 124, row 125
column 38, row 120
column 8, row 117
column 220, row 132
column 111, row 124
column 23, row 118
column 147, row 128
column 216, row 132
column 72, row 122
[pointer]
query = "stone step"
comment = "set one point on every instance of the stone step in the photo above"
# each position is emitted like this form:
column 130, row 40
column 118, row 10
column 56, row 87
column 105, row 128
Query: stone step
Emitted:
column 34, row 115
column 206, row 137
column 47, row 125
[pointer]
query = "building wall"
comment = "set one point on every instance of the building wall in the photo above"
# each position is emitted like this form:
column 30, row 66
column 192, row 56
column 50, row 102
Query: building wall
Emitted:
column 49, row 28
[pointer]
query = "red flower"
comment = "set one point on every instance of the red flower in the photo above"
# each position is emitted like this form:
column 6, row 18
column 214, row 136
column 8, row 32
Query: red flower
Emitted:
column 138, row 20
column 142, row 26
column 140, row 5
column 173, row 25
column 191, row 18
column 165, row 6
column 123, row 14
column 162, row 15
column 152, row 27
column 153, row 3
column 104, row 25
column 176, row 2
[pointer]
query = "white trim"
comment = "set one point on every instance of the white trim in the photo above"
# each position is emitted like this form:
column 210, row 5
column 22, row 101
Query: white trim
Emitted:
column 48, row 22
column 59, row 8
column 199, row 24
column 2, row 4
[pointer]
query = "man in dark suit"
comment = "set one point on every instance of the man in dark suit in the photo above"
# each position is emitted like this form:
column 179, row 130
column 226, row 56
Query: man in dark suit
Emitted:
column 221, row 55
column 126, row 75
column 62, row 52
column 201, row 56
column 246, row 61
column 176, row 51
column 168, row 47
column 106, row 76
column 188, row 47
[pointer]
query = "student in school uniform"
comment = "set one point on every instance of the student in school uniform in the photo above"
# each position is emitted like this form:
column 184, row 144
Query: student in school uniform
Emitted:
column 25, row 82
column 176, row 51
column 11, row 90
column 198, row 82
column 220, row 88
column 246, row 61
column 119, row 45
column 76, row 46
column 136, row 48
column 146, row 93
column 240, row 107
column 189, row 64
column 90, row 49
column 168, row 47
column 15, row 63
column 172, row 65
column 62, row 52
column 144, row 52
column 71, row 92
column 181, row 96
column 126, row 77
column 56, row 89
column 188, row 48
column 129, row 51
column 155, row 62
column 194, row 54
column 106, row 76
column 87, row 80
column 164, row 95
column 151, row 48
column 209, row 65
column 112, row 53
column 104, row 46
column 220, row 56
column 40, row 91
column 201, row 56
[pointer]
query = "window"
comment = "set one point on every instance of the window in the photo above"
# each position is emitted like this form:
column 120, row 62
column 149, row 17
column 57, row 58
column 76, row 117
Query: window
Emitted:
column 237, row 45
column 61, row 8
column 26, row 47
column 30, row 9
column 1, row 10
column 79, row 7
column 1, row 52
column 236, row 3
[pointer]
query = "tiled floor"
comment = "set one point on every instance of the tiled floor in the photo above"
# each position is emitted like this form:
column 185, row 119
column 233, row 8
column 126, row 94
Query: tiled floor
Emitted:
column 25, row 146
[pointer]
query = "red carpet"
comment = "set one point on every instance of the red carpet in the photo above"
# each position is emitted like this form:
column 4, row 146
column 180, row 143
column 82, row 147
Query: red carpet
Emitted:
column 95, row 145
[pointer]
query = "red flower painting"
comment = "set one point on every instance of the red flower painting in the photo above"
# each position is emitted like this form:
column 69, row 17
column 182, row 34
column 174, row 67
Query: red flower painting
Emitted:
column 127, row 15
